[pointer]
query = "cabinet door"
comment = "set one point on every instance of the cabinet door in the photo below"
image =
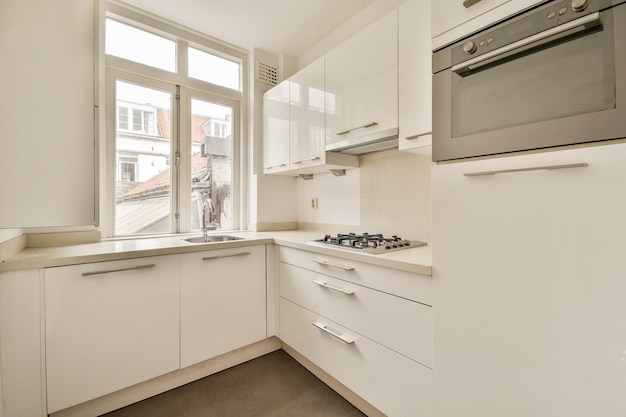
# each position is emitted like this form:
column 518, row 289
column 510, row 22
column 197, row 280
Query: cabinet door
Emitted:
column 276, row 129
column 21, row 347
column 307, row 118
column 223, row 302
column 362, row 82
column 47, row 114
column 415, row 78
column 530, row 286
column 109, row 325
column 455, row 19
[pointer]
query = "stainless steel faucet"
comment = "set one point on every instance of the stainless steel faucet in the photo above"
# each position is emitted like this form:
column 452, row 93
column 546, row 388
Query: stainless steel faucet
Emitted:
column 207, row 209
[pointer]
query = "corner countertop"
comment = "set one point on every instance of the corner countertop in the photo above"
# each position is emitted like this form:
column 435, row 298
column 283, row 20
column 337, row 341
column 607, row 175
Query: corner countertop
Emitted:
column 417, row 260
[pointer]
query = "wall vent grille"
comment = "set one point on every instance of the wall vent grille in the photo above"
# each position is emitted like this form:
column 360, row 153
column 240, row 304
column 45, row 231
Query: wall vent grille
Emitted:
column 267, row 73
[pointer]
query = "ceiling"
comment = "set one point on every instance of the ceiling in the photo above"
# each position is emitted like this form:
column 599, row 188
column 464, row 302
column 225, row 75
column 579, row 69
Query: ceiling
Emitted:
column 289, row 27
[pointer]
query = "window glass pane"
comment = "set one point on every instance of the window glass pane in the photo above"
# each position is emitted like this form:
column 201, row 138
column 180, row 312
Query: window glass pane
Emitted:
column 214, row 69
column 143, row 179
column 137, row 45
column 211, row 166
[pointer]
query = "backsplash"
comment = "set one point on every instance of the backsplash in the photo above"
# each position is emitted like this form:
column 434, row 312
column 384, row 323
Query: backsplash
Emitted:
column 389, row 193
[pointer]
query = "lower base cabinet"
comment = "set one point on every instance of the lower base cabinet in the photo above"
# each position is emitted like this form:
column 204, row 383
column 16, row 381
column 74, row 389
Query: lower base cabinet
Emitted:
column 223, row 302
column 396, row 385
column 109, row 325
column 339, row 315
column 22, row 393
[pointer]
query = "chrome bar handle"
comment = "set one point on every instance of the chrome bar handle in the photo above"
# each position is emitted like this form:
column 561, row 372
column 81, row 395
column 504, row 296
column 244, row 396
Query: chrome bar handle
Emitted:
column 469, row 3
column 419, row 135
column 546, row 167
column 109, row 271
column 276, row 166
column 357, row 128
column 334, row 265
column 589, row 21
column 332, row 287
column 210, row 258
column 343, row 337
column 315, row 158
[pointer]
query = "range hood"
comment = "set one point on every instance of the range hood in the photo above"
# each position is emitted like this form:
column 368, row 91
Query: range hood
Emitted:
column 374, row 142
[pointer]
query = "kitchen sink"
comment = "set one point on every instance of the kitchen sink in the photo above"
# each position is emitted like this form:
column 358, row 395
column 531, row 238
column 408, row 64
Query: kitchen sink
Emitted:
column 212, row 239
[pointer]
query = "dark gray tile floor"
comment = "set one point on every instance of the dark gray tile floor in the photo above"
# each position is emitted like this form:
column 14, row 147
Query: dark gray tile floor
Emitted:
column 274, row 385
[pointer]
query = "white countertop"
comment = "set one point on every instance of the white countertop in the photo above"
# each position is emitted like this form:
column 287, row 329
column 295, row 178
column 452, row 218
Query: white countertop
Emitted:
column 418, row 260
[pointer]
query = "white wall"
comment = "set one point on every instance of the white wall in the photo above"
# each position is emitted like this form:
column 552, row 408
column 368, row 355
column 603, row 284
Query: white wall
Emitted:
column 272, row 203
column 352, row 26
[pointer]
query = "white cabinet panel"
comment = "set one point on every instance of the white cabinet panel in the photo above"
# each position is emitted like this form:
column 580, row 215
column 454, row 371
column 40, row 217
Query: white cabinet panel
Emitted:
column 109, row 325
column 47, row 114
column 362, row 82
column 415, row 76
column 295, row 129
column 223, row 301
column 529, row 284
column 401, row 283
column 391, row 382
column 276, row 129
column 402, row 325
column 307, row 118
column 455, row 19
column 22, row 390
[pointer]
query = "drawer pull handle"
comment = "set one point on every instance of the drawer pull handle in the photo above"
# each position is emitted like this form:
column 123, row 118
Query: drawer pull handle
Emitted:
column 419, row 135
column 276, row 166
column 315, row 158
column 323, row 262
column 343, row 337
column 332, row 287
column 210, row 258
column 547, row 167
column 357, row 128
column 109, row 271
column 469, row 3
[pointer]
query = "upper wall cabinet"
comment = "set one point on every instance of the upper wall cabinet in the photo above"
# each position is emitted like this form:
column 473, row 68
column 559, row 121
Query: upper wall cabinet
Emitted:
column 456, row 19
column 362, row 83
column 47, row 107
column 276, row 129
column 295, row 131
column 414, row 69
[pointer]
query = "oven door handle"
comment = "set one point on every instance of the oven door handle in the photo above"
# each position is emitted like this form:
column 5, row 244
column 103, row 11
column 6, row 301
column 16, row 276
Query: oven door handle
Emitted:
column 590, row 21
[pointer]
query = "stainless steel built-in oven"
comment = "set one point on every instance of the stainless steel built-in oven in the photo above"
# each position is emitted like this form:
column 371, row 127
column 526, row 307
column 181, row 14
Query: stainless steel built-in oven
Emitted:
column 555, row 75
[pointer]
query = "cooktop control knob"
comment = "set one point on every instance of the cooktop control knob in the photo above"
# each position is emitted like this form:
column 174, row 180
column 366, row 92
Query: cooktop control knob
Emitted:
column 579, row 5
column 470, row 47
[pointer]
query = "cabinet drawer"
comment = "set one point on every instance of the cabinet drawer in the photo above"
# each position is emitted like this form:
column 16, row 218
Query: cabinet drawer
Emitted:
column 394, row 384
column 399, row 324
column 404, row 284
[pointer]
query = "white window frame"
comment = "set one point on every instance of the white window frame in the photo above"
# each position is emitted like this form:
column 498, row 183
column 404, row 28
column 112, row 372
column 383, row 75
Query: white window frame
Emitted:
column 118, row 68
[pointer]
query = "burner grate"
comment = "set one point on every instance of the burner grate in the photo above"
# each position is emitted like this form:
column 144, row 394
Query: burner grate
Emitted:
column 372, row 243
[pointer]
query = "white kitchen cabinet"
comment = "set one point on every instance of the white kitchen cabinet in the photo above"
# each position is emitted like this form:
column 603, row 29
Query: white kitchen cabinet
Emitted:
column 110, row 325
column 276, row 129
column 529, row 285
column 362, row 82
column 455, row 19
column 295, row 130
column 396, row 385
column 338, row 314
column 223, row 301
column 415, row 76
column 47, row 108
column 22, row 392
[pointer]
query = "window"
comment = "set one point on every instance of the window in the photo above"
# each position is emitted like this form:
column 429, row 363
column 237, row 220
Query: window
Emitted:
column 173, row 140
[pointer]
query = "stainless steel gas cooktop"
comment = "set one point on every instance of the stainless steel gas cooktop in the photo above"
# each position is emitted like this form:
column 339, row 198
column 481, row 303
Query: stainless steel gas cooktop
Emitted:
column 370, row 243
